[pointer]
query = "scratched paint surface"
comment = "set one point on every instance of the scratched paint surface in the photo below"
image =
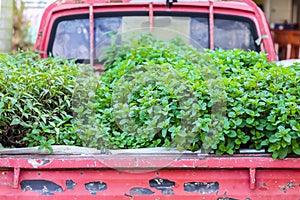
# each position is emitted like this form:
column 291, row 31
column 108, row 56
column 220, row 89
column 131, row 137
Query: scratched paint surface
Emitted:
column 221, row 184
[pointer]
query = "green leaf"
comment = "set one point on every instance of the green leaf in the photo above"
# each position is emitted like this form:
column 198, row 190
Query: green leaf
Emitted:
column 273, row 139
column 260, row 127
column 297, row 151
column 271, row 127
column 287, row 138
column 15, row 121
column 232, row 134
column 282, row 153
column 123, row 121
column 265, row 143
column 250, row 120
column 52, row 124
column 231, row 114
column 238, row 122
column 51, row 141
column 238, row 141
column 275, row 155
column 222, row 148
column 230, row 151
column 250, row 112
column 295, row 125
column 164, row 132
column 271, row 118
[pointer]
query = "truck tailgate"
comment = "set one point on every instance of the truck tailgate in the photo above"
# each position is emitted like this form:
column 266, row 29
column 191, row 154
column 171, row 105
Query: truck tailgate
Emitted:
column 160, row 175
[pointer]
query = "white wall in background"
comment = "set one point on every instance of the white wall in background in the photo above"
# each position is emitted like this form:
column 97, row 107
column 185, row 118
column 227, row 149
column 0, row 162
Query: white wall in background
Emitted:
column 33, row 12
column 280, row 11
column 6, row 15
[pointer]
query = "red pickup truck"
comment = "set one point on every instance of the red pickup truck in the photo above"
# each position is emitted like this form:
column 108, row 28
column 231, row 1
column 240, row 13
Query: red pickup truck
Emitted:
column 76, row 29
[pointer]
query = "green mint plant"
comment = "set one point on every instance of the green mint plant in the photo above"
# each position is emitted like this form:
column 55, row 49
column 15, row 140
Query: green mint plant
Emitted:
column 152, row 93
column 35, row 100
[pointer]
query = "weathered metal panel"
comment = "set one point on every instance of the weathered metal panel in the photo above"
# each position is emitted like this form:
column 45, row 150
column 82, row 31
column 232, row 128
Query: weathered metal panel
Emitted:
column 149, row 177
column 157, row 184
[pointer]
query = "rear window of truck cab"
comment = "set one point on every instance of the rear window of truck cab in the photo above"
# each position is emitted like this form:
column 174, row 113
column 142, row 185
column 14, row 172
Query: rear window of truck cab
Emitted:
column 70, row 36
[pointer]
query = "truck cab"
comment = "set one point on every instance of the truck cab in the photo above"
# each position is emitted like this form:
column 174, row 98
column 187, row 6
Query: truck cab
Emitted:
column 81, row 29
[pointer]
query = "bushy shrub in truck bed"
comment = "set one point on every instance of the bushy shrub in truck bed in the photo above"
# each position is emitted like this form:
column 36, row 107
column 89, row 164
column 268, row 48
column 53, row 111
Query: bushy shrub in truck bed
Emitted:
column 153, row 94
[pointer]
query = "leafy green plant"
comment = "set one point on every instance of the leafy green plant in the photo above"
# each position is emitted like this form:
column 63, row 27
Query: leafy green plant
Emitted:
column 257, row 105
column 35, row 100
column 151, row 94
column 262, row 105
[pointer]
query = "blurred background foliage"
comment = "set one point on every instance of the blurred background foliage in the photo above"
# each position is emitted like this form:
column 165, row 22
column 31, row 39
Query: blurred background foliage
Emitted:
column 21, row 39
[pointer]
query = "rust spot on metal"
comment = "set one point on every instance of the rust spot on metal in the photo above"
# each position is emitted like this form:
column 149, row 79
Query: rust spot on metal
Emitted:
column 94, row 187
column 289, row 185
column 70, row 184
column 262, row 186
column 129, row 196
column 201, row 187
column 44, row 187
column 164, row 185
column 140, row 191
column 38, row 162
column 116, row 1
